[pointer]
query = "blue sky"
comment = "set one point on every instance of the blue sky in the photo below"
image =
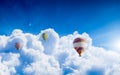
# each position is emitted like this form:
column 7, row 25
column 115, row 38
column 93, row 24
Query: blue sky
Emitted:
column 83, row 16
column 96, row 17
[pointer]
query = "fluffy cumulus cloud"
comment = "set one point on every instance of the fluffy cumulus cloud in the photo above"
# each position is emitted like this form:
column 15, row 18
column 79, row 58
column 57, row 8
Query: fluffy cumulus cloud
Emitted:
column 54, row 56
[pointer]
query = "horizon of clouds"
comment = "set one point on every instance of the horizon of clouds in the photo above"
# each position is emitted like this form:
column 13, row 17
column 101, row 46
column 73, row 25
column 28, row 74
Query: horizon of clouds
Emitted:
column 55, row 56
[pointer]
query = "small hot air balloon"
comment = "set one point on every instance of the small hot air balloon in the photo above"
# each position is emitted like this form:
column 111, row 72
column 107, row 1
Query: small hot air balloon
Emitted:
column 80, row 45
column 18, row 45
column 45, row 36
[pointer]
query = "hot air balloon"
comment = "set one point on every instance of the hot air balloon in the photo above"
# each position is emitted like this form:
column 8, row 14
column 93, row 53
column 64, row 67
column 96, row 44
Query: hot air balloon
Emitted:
column 45, row 36
column 18, row 45
column 80, row 45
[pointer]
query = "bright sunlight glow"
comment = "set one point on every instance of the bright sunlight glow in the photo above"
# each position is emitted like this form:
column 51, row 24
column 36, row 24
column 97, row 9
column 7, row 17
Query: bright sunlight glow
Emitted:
column 116, row 44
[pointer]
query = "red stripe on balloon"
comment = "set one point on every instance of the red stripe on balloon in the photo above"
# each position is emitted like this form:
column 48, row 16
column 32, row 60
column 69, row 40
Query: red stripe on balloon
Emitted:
column 79, row 40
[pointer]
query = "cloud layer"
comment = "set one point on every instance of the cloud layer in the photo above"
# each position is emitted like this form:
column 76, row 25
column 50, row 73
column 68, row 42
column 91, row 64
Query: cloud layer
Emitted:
column 55, row 56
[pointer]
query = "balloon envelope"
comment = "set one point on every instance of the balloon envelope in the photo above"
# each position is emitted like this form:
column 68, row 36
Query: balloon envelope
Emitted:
column 79, row 45
column 45, row 36
column 18, row 45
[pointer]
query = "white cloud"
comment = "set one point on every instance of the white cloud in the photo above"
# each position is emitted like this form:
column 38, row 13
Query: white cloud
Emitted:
column 51, row 44
column 3, row 41
column 8, row 62
column 55, row 56
column 45, row 66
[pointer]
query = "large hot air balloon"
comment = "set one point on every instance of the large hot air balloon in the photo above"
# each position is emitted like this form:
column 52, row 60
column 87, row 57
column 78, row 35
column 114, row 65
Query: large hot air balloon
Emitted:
column 80, row 45
column 18, row 45
column 45, row 36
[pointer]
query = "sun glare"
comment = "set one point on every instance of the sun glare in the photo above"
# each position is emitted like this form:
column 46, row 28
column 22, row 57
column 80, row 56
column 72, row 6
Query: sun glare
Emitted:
column 116, row 44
